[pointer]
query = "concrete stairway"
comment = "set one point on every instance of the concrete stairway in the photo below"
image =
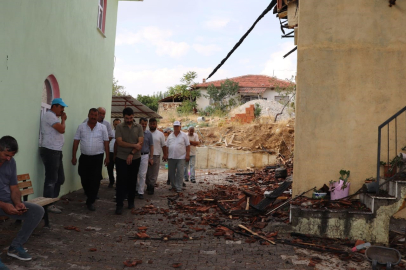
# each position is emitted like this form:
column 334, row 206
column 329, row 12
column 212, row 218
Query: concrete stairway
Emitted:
column 372, row 226
column 374, row 201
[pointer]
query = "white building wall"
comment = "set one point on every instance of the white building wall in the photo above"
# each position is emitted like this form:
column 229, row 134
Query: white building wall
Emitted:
column 202, row 101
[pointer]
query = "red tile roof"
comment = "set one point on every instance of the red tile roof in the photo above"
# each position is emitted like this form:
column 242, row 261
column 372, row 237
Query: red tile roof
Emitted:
column 250, row 81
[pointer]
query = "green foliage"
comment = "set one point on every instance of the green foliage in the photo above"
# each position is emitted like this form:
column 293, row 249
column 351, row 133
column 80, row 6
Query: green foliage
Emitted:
column 184, row 89
column 257, row 110
column 118, row 90
column 344, row 175
column 149, row 101
column 395, row 163
column 227, row 91
column 209, row 110
column 186, row 107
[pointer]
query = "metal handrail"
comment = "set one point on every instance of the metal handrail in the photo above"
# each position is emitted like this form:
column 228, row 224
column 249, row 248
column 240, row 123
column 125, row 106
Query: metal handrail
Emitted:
column 386, row 123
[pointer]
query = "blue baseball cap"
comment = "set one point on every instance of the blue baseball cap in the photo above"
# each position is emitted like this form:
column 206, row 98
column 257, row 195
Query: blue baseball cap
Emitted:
column 58, row 101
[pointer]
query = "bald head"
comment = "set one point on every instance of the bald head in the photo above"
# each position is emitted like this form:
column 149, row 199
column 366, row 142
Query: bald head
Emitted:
column 102, row 114
column 191, row 131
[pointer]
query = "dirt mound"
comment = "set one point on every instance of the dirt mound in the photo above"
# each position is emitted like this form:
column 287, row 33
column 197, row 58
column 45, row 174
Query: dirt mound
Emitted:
column 273, row 137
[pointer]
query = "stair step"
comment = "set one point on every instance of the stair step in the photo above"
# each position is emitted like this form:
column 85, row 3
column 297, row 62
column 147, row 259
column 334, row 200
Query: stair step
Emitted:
column 373, row 201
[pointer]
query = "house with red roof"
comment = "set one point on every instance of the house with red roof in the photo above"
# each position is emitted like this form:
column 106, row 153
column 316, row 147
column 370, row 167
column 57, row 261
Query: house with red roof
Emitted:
column 251, row 87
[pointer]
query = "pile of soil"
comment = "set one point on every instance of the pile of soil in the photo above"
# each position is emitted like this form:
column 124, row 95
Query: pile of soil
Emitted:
column 273, row 137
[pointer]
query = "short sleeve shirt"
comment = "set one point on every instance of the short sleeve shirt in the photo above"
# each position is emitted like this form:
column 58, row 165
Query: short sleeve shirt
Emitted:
column 108, row 126
column 91, row 141
column 8, row 177
column 112, row 141
column 159, row 142
column 193, row 138
column 50, row 137
column 129, row 135
column 148, row 141
column 177, row 145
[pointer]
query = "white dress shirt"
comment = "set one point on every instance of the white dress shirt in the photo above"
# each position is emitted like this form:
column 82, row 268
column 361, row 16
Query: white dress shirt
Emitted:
column 91, row 141
column 177, row 145
column 159, row 141
column 113, row 141
column 108, row 126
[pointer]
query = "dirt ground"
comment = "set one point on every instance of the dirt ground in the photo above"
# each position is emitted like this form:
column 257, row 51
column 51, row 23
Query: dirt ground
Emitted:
column 178, row 237
column 273, row 137
column 261, row 135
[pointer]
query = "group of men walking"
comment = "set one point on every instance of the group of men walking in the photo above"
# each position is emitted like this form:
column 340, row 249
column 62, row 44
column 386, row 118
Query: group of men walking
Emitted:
column 135, row 152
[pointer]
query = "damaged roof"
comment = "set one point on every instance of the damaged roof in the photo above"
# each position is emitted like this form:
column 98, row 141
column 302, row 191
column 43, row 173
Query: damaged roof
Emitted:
column 250, row 81
column 118, row 103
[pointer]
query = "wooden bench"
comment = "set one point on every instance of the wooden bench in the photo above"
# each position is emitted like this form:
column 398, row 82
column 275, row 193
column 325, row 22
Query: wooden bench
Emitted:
column 25, row 186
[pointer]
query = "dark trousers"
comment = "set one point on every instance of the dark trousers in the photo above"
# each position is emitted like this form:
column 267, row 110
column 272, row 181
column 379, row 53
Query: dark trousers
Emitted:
column 126, row 180
column 110, row 168
column 89, row 171
column 54, row 174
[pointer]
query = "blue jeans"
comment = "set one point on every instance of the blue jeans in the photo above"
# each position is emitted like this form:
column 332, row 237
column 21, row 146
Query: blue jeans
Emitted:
column 54, row 174
column 191, row 163
column 31, row 219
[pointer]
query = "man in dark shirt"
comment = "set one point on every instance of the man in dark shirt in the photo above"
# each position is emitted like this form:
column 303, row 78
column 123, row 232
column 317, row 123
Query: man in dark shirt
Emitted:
column 10, row 200
column 129, row 140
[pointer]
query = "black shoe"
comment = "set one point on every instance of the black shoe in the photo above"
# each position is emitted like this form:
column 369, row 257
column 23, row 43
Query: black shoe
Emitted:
column 110, row 185
column 141, row 196
column 151, row 190
column 91, row 207
column 184, row 185
column 119, row 210
column 130, row 205
column 186, row 180
column 193, row 181
column 168, row 182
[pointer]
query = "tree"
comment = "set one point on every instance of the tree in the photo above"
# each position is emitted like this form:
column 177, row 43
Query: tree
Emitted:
column 149, row 101
column 225, row 96
column 118, row 90
column 185, row 90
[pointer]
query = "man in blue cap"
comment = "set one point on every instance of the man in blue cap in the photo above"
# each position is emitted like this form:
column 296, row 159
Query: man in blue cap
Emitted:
column 52, row 140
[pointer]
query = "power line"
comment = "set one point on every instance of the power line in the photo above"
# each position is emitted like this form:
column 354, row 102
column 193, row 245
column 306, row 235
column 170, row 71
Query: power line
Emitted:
column 271, row 5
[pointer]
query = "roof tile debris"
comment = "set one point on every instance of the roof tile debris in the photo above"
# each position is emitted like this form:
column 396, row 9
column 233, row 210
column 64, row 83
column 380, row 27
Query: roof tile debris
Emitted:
column 250, row 81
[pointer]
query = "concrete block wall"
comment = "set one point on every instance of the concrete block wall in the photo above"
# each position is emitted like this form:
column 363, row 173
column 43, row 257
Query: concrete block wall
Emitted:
column 246, row 117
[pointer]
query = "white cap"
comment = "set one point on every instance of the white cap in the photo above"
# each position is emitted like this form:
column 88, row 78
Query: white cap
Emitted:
column 176, row 123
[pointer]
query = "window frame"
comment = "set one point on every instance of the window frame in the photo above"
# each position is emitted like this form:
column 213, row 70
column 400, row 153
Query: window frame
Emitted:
column 101, row 15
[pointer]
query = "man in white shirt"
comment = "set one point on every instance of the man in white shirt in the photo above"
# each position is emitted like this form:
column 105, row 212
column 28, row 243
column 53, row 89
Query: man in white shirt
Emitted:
column 147, row 152
column 94, row 140
column 52, row 140
column 110, row 167
column 194, row 141
column 178, row 152
column 159, row 148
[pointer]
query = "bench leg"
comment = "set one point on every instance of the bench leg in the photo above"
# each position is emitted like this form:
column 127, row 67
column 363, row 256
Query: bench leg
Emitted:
column 46, row 216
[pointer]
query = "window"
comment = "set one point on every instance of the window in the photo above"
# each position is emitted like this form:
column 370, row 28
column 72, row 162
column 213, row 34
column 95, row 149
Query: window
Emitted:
column 101, row 15
column 282, row 99
column 50, row 90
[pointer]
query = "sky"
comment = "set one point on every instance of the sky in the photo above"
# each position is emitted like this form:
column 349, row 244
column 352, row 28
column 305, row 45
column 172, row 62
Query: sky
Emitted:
column 158, row 41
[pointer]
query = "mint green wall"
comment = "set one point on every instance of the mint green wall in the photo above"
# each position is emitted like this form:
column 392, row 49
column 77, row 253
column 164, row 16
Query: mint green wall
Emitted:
column 44, row 37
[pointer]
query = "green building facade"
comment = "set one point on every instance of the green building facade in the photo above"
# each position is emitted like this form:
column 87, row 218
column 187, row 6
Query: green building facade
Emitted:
column 48, row 49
